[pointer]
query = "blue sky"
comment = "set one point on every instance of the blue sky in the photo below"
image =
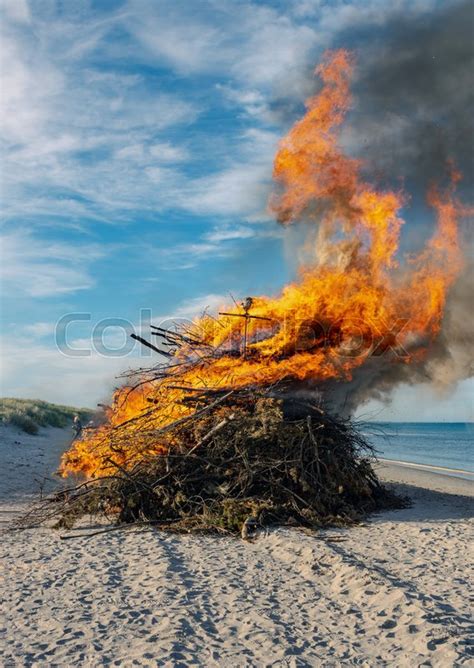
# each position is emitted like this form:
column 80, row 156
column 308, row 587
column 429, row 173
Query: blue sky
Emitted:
column 137, row 143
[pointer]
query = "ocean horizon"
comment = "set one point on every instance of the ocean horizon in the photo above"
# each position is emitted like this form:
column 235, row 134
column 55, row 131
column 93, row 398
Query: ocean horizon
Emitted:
column 448, row 445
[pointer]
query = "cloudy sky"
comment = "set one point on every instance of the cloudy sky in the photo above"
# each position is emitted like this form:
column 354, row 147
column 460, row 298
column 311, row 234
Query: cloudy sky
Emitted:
column 137, row 142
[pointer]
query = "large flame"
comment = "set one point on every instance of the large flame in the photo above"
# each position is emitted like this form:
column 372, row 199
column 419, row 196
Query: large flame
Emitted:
column 353, row 298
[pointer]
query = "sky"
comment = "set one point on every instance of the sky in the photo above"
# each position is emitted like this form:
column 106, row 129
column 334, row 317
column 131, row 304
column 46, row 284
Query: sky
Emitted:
column 137, row 141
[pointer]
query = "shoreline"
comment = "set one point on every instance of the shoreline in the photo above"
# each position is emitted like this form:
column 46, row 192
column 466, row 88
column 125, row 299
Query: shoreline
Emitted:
column 432, row 468
column 424, row 478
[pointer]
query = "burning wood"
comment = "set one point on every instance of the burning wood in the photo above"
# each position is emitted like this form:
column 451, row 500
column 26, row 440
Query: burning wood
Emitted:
column 244, row 458
column 246, row 305
column 213, row 423
column 225, row 459
column 353, row 312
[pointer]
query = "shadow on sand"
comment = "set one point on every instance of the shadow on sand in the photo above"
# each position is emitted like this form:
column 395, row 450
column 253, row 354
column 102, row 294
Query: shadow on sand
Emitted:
column 427, row 505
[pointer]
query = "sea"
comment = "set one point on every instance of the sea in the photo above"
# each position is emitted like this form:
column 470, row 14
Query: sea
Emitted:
column 441, row 445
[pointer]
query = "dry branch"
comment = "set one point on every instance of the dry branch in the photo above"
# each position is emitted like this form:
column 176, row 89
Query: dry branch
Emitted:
column 237, row 457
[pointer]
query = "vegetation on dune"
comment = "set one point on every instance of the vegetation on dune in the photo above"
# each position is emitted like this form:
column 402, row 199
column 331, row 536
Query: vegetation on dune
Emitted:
column 31, row 414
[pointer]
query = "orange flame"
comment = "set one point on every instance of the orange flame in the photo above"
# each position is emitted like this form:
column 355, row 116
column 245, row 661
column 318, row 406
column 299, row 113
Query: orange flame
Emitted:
column 323, row 326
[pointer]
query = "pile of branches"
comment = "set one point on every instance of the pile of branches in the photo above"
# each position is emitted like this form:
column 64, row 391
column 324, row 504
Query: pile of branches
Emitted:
column 241, row 454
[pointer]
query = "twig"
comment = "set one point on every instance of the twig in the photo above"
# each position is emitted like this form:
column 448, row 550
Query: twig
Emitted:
column 198, row 413
column 119, row 527
column 210, row 433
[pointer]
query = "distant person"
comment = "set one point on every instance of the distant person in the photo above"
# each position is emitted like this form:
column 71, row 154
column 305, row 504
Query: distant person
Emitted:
column 77, row 426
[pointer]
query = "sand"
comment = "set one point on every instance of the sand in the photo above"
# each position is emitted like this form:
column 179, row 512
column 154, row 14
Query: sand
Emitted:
column 394, row 591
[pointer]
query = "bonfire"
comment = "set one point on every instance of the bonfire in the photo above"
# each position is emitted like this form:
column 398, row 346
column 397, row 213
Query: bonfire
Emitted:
column 237, row 422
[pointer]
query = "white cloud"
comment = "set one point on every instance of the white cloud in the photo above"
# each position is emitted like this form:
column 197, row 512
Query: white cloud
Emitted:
column 52, row 376
column 28, row 83
column 253, row 102
column 16, row 10
column 239, row 190
column 262, row 52
column 163, row 175
column 37, row 268
column 221, row 242
column 189, row 255
column 166, row 152
column 307, row 8
column 187, row 45
column 60, row 104
column 256, row 43
column 191, row 308
column 56, row 109
column 84, row 380
column 277, row 51
column 228, row 233
column 39, row 329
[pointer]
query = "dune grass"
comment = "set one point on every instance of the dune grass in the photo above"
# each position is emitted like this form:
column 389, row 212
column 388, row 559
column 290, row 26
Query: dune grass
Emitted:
column 31, row 414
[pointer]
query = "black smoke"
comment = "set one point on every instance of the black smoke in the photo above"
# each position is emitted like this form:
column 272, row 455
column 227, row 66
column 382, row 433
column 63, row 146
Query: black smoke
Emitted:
column 414, row 97
column 412, row 113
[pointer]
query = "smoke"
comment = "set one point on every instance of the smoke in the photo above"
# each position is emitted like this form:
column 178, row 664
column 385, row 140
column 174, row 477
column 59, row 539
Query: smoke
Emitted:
column 449, row 360
column 414, row 98
column 414, row 110
column 412, row 114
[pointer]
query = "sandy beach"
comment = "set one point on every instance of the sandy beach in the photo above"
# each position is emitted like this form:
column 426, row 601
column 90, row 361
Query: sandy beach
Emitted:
column 393, row 591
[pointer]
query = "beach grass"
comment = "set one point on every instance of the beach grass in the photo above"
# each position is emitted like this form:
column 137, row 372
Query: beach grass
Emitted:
column 31, row 414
